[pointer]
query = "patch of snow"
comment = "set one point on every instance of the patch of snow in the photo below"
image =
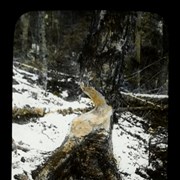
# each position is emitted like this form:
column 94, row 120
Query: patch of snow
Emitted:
column 64, row 94
column 130, row 152
column 47, row 133
column 32, row 95
column 162, row 146
column 31, row 158
column 102, row 14
column 120, row 44
column 69, row 79
column 63, row 80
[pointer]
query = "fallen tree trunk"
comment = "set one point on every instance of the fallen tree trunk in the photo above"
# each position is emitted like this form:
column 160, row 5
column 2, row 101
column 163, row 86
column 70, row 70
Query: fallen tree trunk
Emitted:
column 154, row 108
column 148, row 101
column 23, row 115
column 87, row 152
column 16, row 146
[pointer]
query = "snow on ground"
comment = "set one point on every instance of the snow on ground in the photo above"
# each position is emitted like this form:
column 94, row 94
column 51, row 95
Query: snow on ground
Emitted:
column 40, row 137
column 129, row 145
column 48, row 132
column 28, row 93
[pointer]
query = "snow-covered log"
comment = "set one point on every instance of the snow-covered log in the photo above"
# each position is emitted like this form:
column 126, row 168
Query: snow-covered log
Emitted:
column 145, row 101
column 87, row 151
column 25, row 114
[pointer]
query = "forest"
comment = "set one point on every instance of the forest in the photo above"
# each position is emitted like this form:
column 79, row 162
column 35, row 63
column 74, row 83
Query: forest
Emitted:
column 124, row 55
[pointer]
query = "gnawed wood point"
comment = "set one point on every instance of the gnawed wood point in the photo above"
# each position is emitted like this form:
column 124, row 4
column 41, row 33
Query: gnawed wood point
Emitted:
column 86, row 152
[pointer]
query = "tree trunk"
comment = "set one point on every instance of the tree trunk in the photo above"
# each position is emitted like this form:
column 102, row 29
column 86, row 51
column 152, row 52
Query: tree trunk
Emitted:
column 102, row 56
column 25, row 29
column 87, row 152
column 43, row 48
column 138, row 48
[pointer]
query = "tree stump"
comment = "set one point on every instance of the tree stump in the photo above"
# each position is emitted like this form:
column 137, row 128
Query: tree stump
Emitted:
column 86, row 153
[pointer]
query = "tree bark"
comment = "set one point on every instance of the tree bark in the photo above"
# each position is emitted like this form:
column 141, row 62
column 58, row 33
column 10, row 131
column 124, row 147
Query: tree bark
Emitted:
column 138, row 48
column 101, row 60
column 87, row 152
column 25, row 29
column 43, row 48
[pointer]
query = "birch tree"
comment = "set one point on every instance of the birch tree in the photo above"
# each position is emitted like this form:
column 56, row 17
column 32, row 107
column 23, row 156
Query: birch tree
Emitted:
column 101, row 60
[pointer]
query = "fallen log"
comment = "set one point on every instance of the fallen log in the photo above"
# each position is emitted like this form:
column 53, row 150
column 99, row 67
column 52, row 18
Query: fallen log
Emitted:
column 87, row 151
column 23, row 115
column 143, row 108
column 17, row 146
column 145, row 100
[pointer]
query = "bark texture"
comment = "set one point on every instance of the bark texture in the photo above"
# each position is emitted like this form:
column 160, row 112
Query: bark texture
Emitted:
column 87, row 152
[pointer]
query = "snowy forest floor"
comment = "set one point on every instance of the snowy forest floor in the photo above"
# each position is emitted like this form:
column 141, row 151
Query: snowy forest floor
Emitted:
column 39, row 136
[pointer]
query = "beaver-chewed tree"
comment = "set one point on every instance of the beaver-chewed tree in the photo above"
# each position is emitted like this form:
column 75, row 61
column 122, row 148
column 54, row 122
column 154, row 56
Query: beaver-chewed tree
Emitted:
column 86, row 152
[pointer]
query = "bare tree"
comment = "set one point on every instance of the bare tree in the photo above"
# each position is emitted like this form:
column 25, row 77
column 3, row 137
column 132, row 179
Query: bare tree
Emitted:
column 43, row 49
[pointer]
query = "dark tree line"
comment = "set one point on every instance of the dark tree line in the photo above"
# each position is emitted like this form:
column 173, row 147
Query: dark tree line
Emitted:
column 128, row 50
